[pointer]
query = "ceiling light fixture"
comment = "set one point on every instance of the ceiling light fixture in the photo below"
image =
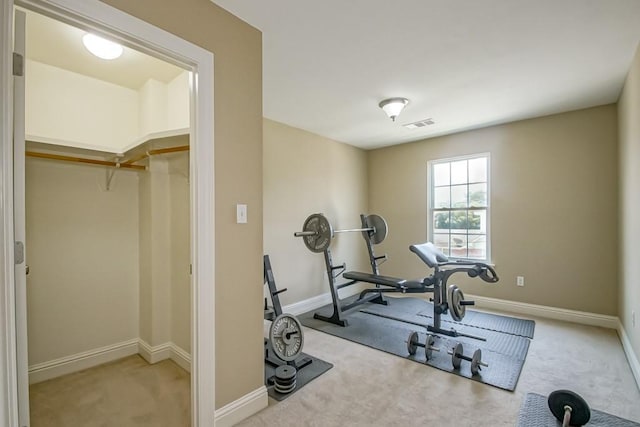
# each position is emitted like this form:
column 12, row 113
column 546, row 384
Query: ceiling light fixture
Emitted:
column 393, row 106
column 102, row 48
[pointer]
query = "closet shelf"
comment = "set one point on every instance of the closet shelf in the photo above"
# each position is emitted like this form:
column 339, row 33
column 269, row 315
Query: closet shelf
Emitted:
column 155, row 152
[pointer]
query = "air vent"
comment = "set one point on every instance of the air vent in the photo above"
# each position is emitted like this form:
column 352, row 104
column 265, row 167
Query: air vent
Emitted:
column 420, row 124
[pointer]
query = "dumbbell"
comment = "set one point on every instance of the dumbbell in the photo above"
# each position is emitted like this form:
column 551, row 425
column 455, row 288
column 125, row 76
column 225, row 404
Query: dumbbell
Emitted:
column 457, row 357
column 569, row 408
column 413, row 344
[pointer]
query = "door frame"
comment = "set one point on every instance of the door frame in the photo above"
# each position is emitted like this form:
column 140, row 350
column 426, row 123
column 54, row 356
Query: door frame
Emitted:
column 133, row 32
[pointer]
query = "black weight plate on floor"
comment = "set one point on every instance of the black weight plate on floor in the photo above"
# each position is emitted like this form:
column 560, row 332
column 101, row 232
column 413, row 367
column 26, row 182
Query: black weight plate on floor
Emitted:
column 580, row 412
column 285, row 372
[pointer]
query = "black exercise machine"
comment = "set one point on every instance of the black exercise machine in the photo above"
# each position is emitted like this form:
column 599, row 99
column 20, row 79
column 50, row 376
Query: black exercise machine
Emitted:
column 318, row 233
column 446, row 299
column 286, row 339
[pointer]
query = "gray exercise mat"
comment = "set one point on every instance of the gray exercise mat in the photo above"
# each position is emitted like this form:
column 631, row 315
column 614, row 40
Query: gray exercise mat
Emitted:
column 504, row 353
column 492, row 322
column 535, row 413
column 305, row 375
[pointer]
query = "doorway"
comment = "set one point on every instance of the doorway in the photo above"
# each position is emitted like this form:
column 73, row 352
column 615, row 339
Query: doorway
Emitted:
column 130, row 32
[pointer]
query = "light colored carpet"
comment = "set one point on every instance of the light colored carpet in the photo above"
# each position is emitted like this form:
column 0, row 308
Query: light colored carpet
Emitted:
column 128, row 392
column 367, row 387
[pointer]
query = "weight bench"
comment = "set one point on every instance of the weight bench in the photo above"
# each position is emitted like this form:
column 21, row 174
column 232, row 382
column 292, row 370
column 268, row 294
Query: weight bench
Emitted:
column 395, row 284
column 446, row 299
column 383, row 284
column 317, row 233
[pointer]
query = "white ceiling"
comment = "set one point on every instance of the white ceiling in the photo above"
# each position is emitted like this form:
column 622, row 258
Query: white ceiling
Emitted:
column 465, row 63
column 60, row 45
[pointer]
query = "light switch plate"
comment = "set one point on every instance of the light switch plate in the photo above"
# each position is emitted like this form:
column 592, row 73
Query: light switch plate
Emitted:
column 241, row 214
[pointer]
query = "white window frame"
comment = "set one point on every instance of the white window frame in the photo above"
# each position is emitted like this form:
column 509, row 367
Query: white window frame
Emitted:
column 430, row 231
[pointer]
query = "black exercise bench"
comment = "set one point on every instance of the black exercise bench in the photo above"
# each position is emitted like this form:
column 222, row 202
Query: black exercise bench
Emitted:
column 396, row 284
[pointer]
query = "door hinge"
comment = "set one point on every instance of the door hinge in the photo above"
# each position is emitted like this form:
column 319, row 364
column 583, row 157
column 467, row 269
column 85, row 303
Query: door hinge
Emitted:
column 18, row 252
column 18, row 65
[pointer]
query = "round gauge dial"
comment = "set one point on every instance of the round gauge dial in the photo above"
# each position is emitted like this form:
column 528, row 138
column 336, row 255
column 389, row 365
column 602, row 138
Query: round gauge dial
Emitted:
column 286, row 337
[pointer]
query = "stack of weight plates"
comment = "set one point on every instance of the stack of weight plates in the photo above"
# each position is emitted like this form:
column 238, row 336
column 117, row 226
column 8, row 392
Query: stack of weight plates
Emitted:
column 285, row 379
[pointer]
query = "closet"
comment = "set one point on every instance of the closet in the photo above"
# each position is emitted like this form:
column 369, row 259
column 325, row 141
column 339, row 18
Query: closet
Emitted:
column 107, row 205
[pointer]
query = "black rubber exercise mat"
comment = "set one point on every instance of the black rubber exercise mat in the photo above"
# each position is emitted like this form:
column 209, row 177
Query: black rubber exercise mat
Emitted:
column 535, row 412
column 305, row 375
column 505, row 353
column 492, row 322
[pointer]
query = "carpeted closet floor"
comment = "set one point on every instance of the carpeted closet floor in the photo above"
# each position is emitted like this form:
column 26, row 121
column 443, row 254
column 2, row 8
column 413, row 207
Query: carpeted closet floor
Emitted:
column 128, row 392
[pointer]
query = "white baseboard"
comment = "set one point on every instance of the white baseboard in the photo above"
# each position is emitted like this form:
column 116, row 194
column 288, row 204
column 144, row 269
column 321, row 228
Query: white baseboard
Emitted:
column 307, row 304
column 88, row 359
column 168, row 350
column 154, row 354
column 181, row 357
column 582, row 317
column 632, row 358
column 238, row 410
column 318, row 301
column 77, row 362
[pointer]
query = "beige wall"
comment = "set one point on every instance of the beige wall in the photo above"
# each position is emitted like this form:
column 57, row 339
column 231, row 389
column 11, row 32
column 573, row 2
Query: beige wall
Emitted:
column 629, row 130
column 553, row 206
column 60, row 109
column 165, row 252
column 61, row 112
column 107, row 266
column 83, row 256
column 237, row 48
column 180, row 247
column 155, row 253
column 304, row 174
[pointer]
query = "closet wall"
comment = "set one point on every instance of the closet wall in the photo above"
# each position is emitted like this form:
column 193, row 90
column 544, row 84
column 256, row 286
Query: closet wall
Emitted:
column 82, row 252
column 71, row 109
column 109, row 268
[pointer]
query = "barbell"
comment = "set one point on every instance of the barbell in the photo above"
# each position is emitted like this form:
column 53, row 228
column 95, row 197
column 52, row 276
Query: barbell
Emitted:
column 317, row 231
column 413, row 343
column 457, row 357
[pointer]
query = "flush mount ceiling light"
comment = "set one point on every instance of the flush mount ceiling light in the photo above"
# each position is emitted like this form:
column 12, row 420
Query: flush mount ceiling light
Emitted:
column 393, row 106
column 101, row 48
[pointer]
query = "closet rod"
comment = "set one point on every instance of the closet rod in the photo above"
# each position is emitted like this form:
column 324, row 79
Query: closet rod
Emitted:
column 154, row 152
column 169, row 150
column 82, row 160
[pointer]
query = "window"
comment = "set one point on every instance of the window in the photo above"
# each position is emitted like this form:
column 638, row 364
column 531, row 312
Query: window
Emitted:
column 459, row 206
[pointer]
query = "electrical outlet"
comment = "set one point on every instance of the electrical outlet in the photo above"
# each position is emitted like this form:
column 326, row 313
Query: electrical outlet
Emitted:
column 520, row 281
column 633, row 318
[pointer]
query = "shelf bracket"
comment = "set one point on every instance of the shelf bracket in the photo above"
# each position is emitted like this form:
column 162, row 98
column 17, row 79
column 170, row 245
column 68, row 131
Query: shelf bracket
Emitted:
column 111, row 172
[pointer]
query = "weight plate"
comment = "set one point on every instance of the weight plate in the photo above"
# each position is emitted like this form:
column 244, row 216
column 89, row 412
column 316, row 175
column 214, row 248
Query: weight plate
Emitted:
column 412, row 343
column 284, row 390
column 321, row 240
column 455, row 303
column 285, row 372
column 475, row 362
column 580, row 412
column 428, row 346
column 286, row 337
column 379, row 225
column 456, row 361
column 285, row 383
